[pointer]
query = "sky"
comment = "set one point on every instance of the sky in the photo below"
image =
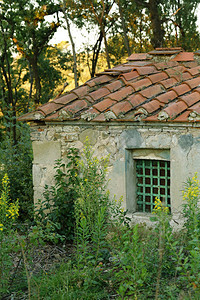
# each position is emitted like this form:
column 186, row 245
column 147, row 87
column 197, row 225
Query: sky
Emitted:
column 80, row 37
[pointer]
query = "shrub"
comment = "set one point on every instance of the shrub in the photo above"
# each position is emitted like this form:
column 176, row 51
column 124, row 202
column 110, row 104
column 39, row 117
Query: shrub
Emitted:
column 16, row 161
column 57, row 208
column 9, row 212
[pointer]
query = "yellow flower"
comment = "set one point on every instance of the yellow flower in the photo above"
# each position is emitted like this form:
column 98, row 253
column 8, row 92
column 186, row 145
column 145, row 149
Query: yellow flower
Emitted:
column 1, row 227
column 159, row 206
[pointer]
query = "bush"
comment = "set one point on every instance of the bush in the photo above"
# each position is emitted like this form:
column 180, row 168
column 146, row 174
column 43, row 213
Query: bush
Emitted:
column 8, row 214
column 57, row 208
column 16, row 161
column 113, row 259
column 79, row 191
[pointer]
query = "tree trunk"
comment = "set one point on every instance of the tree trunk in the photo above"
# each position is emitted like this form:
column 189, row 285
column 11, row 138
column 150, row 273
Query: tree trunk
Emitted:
column 31, row 85
column 124, row 28
column 34, row 65
column 72, row 43
column 156, row 23
column 96, row 50
column 106, row 45
column 14, row 123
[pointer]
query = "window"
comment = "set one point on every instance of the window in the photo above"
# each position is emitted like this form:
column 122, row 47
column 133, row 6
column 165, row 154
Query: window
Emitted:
column 152, row 180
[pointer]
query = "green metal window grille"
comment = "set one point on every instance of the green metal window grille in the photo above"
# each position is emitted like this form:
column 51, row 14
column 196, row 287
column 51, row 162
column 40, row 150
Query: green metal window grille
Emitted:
column 153, row 180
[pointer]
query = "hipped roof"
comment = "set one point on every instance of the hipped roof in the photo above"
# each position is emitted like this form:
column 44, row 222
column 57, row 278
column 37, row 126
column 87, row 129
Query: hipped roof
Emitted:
column 162, row 85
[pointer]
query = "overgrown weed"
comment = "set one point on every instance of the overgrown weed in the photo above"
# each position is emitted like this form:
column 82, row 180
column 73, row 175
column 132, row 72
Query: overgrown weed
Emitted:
column 112, row 260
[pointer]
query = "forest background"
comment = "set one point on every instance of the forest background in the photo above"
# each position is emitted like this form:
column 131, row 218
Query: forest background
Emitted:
column 33, row 71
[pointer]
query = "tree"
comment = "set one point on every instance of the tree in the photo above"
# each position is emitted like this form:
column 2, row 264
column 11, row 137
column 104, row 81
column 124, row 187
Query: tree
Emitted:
column 124, row 27
column 64, row 10
column 177, row 16
column 95, row 14
column 183, row 20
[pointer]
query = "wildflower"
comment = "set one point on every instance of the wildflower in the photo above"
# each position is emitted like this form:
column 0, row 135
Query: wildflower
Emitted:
column 160, row 207
column 1, row 227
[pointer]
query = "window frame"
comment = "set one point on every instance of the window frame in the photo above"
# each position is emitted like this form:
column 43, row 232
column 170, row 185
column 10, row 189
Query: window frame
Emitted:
column 131, row 155
column 152, row 180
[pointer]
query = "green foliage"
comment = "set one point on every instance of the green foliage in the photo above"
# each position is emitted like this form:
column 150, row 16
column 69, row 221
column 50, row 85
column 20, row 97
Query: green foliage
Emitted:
column 191, row 211
column 111, row 258
column 16, row 161
column 92, row 193
column 8, row 213
column 79, row 191
column 130, row 269
column 57, row 207
column 68, row 282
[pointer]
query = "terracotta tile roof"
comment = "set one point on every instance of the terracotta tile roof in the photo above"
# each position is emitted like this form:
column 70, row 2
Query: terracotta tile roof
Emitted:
column 144, row 88
column 184, row 56
column 139, row 56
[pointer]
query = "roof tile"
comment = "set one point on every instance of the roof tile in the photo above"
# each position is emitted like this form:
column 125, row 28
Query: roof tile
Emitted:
column 100, row 118
column 175, row 71
column 166, row 97
column 182, row 117
column 152, row 106
column 184, row 56
column 32, row 116
column 168, row 49
column 172, row 110
column 65, row 99
column 158, row 77
column 168, row 82
column 193, row 83
column 111, row 73
column 136, row 99
column 146, row 70
column 49, row 107
column 140, row 84
column 99, row 80
column 121, row 94
column 53, row 117
column 99, row 93
column 152, row 91
column 194, row 107
column 138, row 63
column 121, row 68
column 181, row 89
column 190, row 64
column 121, row 108
column 194, row 71
column 88, row 99
column 197, row 90
column 133, row 91
column 191, row 99
column 164, row 51
column 164, row 65
column 186, row 75
column 104, row 105
column 139, row 56
column 75, row 107
column 81, row 91
column 114, row 86
column 89, row 114
column 129, row 76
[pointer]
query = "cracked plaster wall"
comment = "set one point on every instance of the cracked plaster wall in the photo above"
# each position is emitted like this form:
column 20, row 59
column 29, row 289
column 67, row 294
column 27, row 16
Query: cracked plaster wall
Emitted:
column 52, row 142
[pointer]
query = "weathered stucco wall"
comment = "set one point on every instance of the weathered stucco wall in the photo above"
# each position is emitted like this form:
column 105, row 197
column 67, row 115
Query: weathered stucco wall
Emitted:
column 181, row 145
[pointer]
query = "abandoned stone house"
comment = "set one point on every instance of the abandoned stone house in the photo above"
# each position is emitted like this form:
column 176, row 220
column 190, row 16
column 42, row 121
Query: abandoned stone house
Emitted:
column 145, row 113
